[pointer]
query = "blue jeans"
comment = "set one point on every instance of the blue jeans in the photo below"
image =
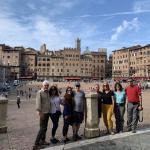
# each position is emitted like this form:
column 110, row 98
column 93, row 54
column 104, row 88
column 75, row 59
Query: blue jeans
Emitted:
column 119, row 116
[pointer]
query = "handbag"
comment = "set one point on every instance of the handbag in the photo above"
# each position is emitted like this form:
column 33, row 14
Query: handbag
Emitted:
column 141, row 116
column 140, row 108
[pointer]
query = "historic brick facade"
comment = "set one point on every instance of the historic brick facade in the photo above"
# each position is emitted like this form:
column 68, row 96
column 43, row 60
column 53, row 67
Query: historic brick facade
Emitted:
column 131, row 62
column 64, row 64
column 69, row 64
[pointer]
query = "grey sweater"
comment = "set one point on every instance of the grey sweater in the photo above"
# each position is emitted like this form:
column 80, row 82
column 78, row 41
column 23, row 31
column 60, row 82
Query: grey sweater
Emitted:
column 42, row 101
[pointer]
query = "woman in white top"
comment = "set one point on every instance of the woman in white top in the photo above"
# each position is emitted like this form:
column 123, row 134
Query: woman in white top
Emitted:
column 55, row 111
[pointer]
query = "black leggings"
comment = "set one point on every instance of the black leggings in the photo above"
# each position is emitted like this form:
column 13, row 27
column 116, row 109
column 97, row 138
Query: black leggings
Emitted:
column 66, row 126
column 55, row 119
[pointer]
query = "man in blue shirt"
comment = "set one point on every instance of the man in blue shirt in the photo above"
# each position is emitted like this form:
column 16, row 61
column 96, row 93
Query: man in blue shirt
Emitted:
column 78, row 111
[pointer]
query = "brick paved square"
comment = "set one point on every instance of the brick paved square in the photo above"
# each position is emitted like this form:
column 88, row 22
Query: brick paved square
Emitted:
column 23, row 123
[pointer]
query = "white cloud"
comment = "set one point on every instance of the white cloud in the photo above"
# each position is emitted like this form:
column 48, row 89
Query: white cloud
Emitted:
column 126, row 25
column 66, row 4
column 141, row 6
column 58, row 7
column 84, row 16
column 39, row 30
column 31, row 6
column 54, row 36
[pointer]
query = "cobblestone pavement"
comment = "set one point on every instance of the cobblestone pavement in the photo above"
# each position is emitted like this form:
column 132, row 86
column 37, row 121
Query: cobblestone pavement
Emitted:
column 23, row 124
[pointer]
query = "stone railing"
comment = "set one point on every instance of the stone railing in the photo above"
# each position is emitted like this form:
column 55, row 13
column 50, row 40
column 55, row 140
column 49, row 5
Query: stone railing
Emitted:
column 3, row 114
column 91, row 116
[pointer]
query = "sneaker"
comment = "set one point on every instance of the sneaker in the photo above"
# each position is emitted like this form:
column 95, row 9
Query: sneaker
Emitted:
column 133, row 131
column 74, row 138
column 44, row 143
column 66, row 140
column 112, row 132
column 129, row 129
column 36, row 147
column 107, row 131
column 78, row 137
column 54, row 140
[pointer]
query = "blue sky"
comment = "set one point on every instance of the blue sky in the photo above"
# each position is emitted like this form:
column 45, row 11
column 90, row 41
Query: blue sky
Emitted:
column 110, row 24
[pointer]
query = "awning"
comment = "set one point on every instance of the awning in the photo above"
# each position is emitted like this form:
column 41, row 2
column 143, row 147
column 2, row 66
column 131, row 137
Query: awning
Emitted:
column 72, row 78
column 95, row 78
column 27, row 77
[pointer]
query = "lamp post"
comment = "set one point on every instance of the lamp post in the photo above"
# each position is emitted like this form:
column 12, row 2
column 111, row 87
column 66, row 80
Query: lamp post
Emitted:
column 4, row 73
column 14, row 70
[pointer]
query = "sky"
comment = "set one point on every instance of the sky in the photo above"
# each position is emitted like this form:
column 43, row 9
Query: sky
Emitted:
column 110, row 24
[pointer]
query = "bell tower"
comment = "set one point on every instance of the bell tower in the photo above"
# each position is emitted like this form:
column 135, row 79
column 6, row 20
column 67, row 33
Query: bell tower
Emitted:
column 78, row 44
column 43, row 48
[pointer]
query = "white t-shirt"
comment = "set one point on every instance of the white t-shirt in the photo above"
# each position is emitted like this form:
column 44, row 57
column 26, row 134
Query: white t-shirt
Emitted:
column 55, row 104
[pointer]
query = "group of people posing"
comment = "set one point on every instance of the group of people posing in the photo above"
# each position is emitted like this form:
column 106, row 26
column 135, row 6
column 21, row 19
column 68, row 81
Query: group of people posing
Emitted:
column 48, row 102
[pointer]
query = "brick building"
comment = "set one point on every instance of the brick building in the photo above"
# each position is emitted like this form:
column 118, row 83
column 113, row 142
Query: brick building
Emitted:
column 64, row 64
column 70, row 64
column 131, row 62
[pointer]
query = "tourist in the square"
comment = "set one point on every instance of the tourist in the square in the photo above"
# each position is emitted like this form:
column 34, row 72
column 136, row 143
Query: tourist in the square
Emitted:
column 42, row 108
column 119, row 110
column 99, row 98
column 26, row 94
column 55, row 111
column 134, row 98
column 108, row 107
column 67, row 112
column 18, row 101
column 29, row 95
column 78, row 111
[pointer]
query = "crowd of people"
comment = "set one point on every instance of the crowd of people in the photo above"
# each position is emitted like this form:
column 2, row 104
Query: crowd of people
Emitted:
column 48, row 102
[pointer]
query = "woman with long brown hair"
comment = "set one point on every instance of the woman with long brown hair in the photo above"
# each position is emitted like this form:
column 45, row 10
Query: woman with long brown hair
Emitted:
column 55, row 111
column 120, row 101
column 67, row 112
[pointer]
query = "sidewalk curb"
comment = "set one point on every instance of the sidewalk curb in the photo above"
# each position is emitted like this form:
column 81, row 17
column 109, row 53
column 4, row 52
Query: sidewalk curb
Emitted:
column 95, row 140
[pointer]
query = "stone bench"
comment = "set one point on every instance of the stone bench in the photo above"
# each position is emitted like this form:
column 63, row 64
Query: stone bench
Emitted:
column 3, row 114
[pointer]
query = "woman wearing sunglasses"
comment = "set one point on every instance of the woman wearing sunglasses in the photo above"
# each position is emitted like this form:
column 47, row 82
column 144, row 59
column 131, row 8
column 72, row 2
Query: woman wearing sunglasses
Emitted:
column 67, row 112
column 108, row 107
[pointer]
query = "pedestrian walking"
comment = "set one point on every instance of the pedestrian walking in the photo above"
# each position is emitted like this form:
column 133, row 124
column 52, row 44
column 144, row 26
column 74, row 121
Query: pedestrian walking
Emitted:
column 108, row 107
column 17, row 92
column 78, row 111
column 26, row 94
column 18, row 101
column 134, row 98
column 55, row 111
column 119, row 110
column 67, row 112
column 29, row 95
column 6, row 94
column 42, row 108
